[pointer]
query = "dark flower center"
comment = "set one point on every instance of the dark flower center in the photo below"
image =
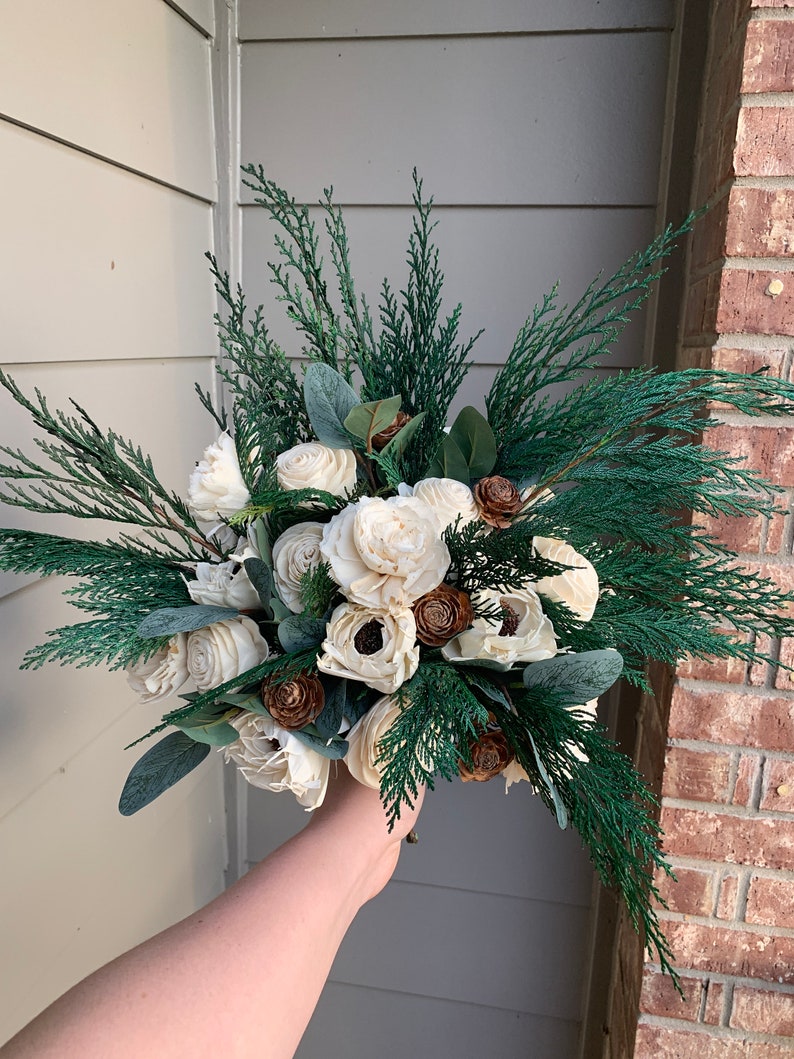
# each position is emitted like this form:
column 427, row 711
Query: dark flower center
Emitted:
column 369, row 638
column 510, row 623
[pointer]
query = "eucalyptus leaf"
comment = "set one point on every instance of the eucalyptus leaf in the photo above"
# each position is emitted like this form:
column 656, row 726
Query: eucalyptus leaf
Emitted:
column 329, row 401
column 161, row 767
column 280, row 611
column 366, row 420
column 475, row 439
column 359, row 699
column 449, row 462
column 577, row 678
column 559, row 807
column 299, row 631
column 170, row 620
column 261, row 578
column 259, row 537
column 494, row 692
column 399, row 443
column 219, row 733
column 309, row 736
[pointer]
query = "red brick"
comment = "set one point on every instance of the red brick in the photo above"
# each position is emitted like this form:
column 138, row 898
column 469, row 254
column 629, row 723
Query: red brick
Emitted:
column 772, row 3
column 708, row 237
column 769, row 57
column 770, row 901
column 742, row 534
column 702, row 305
column 660, row 1042
column 745, row 361
column 698, row 776
column 726, row 903
column 745, row 306
column 724, row 670
column 765, row 142
column 758, row 671
column 782, row 577
column 691, row 893
column 715, row 1002
column 763, row 1011
column 785, row 678
column 775, row 535
column 778, row 793
column 766, row 449
column 660, row 997
column 732, row 718
column 722, row 950
column 720, row 837
column 760, row 223
column 746, row 775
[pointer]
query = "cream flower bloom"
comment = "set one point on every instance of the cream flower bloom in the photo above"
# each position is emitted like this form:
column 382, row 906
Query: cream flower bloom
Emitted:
column 223, row 651
column 223, row 585
column 295, row 553
column 524, row 635
column 275, row 760
column 216, row 488
column 450, row 500
column 385, row 554
column 577, row 588
column 363, row 739
column 370, row 645
column 315, row 466
column 160, row 675
column 514, row 772
column 590, row 709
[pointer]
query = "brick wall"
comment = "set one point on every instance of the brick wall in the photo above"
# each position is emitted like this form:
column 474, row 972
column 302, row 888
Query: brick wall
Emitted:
column 728, row 779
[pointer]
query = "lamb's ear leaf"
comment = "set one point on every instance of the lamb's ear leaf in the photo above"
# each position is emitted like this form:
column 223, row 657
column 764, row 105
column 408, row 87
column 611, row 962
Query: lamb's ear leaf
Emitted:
column 329, row 401
column 161, row 767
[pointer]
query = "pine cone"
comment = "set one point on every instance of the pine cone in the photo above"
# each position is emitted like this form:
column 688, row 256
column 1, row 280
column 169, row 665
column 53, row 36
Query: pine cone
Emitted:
column 442, row 614
column 489, row 755
column 294, row 703
column 498, row 499
column 383, row 437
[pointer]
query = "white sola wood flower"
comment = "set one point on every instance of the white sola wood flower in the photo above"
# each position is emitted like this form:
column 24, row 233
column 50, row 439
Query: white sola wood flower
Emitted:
column 216, row 488
column 274, row 759
column 163, row 673
column 450, row 500
column 223, row 585
column 385, row 554
column 364, row 737
column 312, row 465
column 522, row 633
column 295, row 553
column 576, row 587
column 374, row 646
column 224, row 650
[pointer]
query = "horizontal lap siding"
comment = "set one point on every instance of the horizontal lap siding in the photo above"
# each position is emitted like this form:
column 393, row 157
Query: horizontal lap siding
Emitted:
column 107, row 142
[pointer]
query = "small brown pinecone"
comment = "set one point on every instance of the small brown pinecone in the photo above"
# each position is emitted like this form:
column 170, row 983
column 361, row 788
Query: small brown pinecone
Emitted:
column 442, row 614
column 294, row 703
column 498, row 499
column 489, row 755
column 383, row 437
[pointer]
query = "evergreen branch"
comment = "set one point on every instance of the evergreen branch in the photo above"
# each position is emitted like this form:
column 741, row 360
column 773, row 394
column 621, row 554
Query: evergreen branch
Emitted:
column 317, row 590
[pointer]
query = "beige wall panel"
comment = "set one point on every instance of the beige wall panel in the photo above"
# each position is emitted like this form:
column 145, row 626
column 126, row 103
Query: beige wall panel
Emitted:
column 199, row 11
column 104, row 263
column 496, row 120
column 150, row 402
column 128, row 81
column 416, row 1026
column 270, row 19
column 82, row 883
column 489, row 257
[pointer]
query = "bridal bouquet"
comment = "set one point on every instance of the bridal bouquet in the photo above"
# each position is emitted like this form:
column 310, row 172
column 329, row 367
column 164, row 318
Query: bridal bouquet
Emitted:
column 355, row 574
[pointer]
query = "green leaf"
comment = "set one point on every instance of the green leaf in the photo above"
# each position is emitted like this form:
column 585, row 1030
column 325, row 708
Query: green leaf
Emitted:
column 258, row 535
column 261, row 578
column 449, row 462
column 281, row 612
column 559, row 807
column 577, row 678
column 299, row 631
column 329, row 401
column 399, row 443
column 366, row 420
column 161, row 767
column 218, row 734
column 476, row 441
column 328, row 722
column 170, row 620
column 309, row 736
column 493, row 691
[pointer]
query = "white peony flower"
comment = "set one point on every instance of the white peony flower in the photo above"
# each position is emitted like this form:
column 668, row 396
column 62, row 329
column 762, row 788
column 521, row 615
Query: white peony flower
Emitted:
column 450, row 500
column 385, row 554
column 224, row 650
column 223, row 585
column 364, row 737
column 370, row 645
column 315, row 466
column 275, row 760
column 296, row 552
column 163, row 673
column 577, row 588
column 525, row 634
column 216, row 489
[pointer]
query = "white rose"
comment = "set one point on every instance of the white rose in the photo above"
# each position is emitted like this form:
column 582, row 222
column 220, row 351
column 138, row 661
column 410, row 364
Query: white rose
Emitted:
column 315, row 466
column 577, row 588
column 295, row 553
column 525, row 634
column 223, row 585
column 451, row 501
column 385, row 554
column 364, row 737
column 216, row 489
column 370, row 645
column 160, row 675
column 275, row 760
column 223, row 651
